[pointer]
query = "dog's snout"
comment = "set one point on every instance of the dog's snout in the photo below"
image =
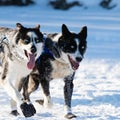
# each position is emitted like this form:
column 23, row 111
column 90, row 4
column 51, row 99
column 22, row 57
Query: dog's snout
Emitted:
column 33, row 49
column 79, row 59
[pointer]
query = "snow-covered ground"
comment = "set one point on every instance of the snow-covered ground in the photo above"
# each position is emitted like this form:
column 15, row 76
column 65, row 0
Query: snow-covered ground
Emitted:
column 96, row 93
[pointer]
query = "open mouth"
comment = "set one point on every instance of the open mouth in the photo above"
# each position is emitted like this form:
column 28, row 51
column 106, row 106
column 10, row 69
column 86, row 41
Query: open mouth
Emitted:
column 31, row 59
column 74, row 64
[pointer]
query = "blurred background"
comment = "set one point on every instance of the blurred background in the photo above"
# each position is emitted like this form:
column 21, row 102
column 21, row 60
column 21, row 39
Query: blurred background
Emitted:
column 102, row 17
column 57, row 4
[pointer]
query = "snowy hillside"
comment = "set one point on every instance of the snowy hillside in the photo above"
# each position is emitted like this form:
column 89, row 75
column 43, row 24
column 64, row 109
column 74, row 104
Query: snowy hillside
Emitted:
column 96, row 93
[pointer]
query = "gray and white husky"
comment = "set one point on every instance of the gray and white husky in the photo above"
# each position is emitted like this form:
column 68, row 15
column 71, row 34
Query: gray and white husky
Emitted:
column 19, row 49
column 62, row 55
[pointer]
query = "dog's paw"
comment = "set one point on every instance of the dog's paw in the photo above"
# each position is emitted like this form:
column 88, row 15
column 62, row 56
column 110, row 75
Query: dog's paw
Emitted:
column 14, row 112
column 40, row 101
column 32, row 108
column 46, row 104
column 70, row 116
column 27, row 109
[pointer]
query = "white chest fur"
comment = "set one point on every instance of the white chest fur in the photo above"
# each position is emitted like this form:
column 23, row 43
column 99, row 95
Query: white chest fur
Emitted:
column 18, row 69
column 60, row 70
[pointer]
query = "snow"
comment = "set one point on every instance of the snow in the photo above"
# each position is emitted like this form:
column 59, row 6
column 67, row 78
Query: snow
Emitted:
column 96, row 93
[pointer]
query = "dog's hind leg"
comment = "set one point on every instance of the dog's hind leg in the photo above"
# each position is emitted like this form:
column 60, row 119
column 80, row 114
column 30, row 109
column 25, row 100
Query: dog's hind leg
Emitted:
column 46, row 102
column 68, row 90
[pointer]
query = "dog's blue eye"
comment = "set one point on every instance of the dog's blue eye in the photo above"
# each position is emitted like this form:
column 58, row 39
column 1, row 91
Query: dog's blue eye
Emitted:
column 37, row 40
column 72, row 46
column 82, row 47
column 26, row 41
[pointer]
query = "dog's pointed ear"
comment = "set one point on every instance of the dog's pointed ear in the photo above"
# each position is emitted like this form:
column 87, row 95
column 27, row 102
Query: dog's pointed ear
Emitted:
column 37, row 26
column 83, row 32
column 19, row 26
column 65, row 31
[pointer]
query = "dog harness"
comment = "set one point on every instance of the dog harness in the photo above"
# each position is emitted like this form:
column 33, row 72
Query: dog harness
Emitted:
column 46, row 51
column 4, row 41
column 1, row 42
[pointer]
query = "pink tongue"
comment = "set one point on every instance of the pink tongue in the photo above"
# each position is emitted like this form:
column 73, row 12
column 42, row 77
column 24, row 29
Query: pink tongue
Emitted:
column 31, row 62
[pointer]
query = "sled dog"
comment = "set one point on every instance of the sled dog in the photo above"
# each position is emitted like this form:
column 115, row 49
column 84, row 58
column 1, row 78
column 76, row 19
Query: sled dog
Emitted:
column 62, row 55
column 19, row 49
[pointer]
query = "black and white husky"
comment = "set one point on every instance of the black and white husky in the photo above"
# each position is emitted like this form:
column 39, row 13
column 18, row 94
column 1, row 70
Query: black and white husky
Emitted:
column 60, row 60
column 19, row 49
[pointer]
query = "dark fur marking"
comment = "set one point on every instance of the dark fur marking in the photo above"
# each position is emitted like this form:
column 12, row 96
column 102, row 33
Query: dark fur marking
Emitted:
column 15, row 113
column 35, row 85
column 68, row 89
column 22, row 34
column 5, row 71
column 45, row 69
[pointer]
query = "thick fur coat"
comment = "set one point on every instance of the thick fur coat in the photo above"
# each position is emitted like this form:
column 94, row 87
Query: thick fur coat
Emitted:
column 65, row 52
column 19, row 49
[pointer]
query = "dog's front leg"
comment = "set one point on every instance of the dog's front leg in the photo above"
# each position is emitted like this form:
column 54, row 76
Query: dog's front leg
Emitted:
column 47, row 102
column 18, row 86
column 68, row 90
column 27, row 109
column 14, row 108
column 13, row 103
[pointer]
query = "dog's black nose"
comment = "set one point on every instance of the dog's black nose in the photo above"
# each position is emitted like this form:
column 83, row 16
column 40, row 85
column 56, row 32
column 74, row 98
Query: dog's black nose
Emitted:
column 79, row 59
column 33, row 49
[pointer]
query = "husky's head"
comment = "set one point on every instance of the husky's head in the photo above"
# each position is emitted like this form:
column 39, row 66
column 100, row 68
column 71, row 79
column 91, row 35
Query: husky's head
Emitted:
column 29, row 41
column 73, row 46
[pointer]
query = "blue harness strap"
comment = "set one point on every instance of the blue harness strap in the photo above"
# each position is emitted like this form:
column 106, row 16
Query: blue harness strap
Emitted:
column 46, row 51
